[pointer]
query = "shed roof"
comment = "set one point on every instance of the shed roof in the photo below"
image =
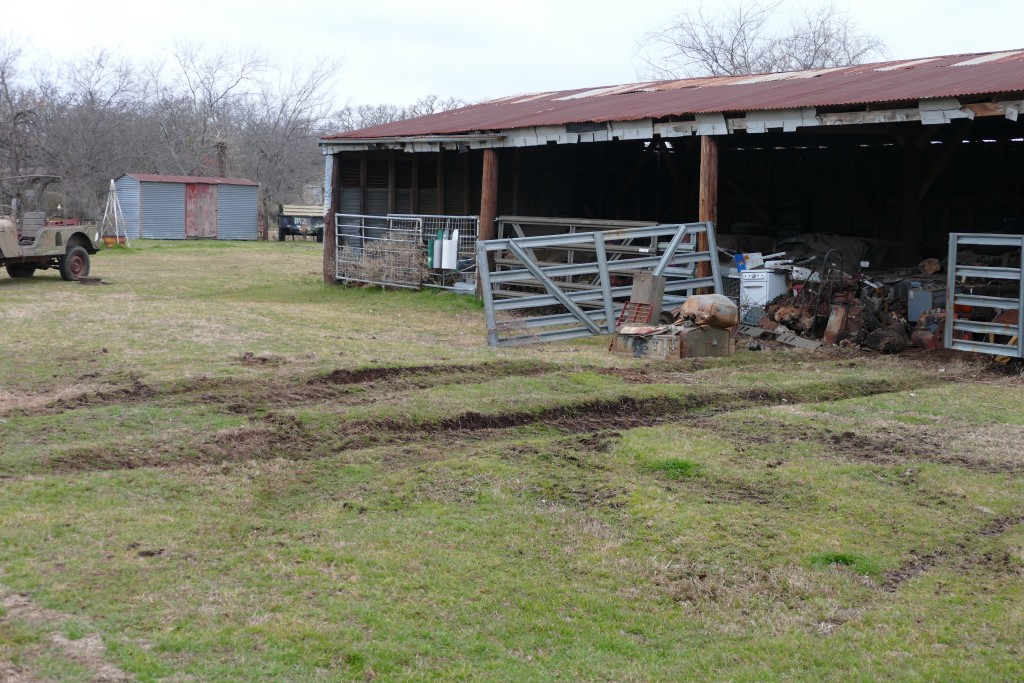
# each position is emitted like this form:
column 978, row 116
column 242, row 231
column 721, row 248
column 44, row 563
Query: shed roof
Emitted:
column 201, row 180
column 894, row 81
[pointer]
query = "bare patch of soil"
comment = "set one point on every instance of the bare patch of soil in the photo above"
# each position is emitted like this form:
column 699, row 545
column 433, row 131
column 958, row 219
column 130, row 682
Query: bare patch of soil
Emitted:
column 136, row 391
column 430, row 374
column 961, row 551
column 249, row 396
column 252, row 359
column 89, row 651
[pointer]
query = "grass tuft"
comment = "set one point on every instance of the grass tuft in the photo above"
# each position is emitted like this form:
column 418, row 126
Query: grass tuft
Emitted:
column 674, row 468
column 858, row 563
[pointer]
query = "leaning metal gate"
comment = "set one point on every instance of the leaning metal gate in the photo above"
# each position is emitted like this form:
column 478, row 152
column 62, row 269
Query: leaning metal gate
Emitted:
column 1013, row 332
column 531, row 273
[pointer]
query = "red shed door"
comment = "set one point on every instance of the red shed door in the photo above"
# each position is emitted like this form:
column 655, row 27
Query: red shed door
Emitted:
column 200, row 210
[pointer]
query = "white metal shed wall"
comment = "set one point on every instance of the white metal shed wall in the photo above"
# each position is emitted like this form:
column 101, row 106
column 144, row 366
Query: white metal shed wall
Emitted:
column 127, row 189
column 237, row 215
column 163, row 211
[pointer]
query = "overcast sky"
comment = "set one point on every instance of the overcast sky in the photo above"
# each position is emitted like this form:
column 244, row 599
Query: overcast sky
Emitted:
column 399, row 50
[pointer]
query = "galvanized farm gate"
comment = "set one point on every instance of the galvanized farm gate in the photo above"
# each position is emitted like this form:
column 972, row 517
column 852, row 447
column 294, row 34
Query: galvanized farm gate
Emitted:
column 380, row 250
column 531, row 273
column 1013, row 333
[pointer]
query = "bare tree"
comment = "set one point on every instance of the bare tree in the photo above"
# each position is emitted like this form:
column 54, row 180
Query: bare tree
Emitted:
column 366, row 115
column 277, row 132
column 745, row 38
column 20, row 108
column 87, row 112
column 433, row 104
column 196, row 103
column 200, row 112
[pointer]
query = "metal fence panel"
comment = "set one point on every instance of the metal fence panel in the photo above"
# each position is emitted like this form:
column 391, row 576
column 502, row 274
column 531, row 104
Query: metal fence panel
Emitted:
column 380, row 250
column 584, row 275
column 960, row 334
column 469, row 229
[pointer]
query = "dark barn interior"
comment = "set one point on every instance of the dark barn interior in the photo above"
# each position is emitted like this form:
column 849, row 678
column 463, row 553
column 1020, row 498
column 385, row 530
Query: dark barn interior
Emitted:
column 899, row 181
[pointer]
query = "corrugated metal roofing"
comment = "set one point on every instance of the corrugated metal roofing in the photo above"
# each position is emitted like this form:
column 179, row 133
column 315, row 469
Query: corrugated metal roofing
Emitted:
column 894, row 81
column 204, row 180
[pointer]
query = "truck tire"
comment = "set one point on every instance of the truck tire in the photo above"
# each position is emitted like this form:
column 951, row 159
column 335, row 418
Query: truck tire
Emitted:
column 74, row 264
column 21, row 269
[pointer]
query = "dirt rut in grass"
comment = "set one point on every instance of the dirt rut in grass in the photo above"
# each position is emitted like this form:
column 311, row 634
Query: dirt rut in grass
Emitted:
column 248, row 395
column 287, row 437
column 87, row 651
column 963, row 552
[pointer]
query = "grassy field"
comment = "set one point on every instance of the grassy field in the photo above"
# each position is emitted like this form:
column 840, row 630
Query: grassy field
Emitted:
column 217, row 468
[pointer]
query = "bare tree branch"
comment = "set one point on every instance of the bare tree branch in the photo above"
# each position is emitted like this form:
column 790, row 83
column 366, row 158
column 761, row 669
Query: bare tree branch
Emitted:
column 746, row 38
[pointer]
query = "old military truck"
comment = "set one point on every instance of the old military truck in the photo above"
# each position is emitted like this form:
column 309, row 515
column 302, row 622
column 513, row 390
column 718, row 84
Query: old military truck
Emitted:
column 30, row 244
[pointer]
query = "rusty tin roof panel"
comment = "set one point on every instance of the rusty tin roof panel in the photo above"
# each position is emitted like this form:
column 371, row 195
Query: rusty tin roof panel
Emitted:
column 201, row 180
column 894, row 81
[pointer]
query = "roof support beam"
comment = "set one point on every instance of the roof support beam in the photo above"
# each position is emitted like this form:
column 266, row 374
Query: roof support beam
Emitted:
column 708, row 203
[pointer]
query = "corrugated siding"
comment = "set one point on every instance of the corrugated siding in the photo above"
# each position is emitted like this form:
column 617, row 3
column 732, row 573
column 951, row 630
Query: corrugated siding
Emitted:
column 163, row 211
column 237, row 217
column 128, row 196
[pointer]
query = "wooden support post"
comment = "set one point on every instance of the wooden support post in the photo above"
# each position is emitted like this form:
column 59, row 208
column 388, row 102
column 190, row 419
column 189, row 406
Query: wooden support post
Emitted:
column 488, row 202
column 707, row 207
column 330, row 243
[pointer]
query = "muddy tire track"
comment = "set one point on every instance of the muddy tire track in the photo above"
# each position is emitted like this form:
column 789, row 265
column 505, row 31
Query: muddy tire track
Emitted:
column 283, row 436
column 248, row 396
column 961, row 551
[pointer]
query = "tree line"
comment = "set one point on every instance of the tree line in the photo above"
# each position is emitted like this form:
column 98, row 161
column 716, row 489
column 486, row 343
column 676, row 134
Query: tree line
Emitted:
column 67, row 128
column 203, row 111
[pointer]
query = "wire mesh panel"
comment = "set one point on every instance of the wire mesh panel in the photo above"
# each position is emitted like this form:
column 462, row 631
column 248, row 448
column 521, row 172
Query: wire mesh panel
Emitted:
column 468, row 228
column 380, row 250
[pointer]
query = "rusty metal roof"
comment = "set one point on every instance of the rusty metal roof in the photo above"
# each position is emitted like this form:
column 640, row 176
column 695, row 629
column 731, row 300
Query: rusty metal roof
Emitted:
column 894, row 81
column 201, row 180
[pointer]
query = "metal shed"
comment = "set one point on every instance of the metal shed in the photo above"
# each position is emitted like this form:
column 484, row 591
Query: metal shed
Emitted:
column 173, row 207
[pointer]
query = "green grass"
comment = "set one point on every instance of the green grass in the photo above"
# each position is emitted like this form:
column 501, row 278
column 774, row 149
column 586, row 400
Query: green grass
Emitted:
column 179, row 480
column 858, row 563
column 674, row 468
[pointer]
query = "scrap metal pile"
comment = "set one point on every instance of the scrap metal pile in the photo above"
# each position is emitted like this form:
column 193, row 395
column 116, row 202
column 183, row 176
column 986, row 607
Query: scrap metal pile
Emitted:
column 830, row 303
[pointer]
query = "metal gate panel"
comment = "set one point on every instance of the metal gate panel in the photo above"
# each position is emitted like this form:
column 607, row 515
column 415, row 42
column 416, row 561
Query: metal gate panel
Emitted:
column 957, row 272
column 380, row 250
column 590, row 289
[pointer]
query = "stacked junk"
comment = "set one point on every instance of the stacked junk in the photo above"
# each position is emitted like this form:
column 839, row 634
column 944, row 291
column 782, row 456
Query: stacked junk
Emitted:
column 705, row 325
column 827, row 301
column 821, row 299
